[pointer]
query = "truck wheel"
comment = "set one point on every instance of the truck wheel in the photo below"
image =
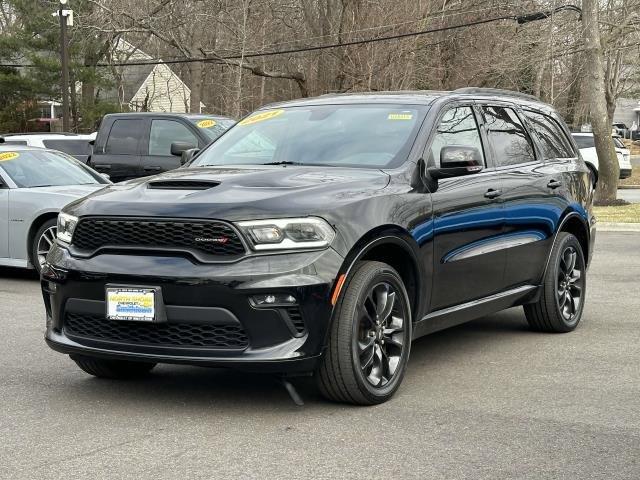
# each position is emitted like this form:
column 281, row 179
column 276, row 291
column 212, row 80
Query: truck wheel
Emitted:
column 561, row 302
column 115, row 369
column 370, row 338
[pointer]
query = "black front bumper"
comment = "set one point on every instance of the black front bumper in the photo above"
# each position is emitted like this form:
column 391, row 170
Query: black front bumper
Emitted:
column 625, row 173
column 209, row 317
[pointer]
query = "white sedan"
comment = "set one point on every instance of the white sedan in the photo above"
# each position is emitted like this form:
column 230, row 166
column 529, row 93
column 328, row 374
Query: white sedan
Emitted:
column 34, row 186
column 588, row 150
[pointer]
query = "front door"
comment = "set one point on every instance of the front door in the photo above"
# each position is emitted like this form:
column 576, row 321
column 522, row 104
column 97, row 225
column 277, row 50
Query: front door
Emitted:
column 162, row 133
column 468, row 219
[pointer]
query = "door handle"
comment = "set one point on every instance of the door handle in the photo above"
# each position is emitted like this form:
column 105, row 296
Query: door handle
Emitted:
column 493, row 193
column 102, row 166
column 553, row 184
column 152, row 168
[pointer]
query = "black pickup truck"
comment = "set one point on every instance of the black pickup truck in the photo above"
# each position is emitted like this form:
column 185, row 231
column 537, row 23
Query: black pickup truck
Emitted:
column 132, row 145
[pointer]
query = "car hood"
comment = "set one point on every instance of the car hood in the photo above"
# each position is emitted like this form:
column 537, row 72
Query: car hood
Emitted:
column 235, row 193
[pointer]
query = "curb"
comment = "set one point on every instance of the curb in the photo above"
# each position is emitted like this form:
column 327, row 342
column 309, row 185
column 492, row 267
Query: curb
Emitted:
column 628, row 187
column 617, row 227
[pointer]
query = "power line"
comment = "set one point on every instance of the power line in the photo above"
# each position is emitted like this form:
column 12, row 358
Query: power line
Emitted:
column 521, row 19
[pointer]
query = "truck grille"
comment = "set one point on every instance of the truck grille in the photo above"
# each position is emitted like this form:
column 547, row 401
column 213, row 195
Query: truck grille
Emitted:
column 94, row 327
column 208, row 237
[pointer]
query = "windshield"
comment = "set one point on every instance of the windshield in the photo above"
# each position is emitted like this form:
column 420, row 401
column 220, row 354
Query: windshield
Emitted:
column 370, row 136
column 33, row 168
column 618, row 143
column 211, row 126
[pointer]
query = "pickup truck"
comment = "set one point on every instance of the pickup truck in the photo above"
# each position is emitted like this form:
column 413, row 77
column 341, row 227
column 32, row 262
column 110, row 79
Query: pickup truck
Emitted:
column 132, row 145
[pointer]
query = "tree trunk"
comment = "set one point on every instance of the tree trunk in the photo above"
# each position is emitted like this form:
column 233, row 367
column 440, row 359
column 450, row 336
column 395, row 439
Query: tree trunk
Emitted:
column 573, row 96
column 195, row 77
column 595, row 91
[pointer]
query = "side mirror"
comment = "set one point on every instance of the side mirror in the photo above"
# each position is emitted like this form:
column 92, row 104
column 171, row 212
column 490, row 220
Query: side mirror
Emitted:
column 456, row 161
column 178, row 147
column 187, row 155
column 105, row 176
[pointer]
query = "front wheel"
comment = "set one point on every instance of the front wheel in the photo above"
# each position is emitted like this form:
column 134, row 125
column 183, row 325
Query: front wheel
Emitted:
column 559, row 308
column 370, row 338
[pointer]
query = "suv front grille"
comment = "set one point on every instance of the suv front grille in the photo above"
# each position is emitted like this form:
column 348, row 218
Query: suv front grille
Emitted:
column 209, row 237
column 95, row 327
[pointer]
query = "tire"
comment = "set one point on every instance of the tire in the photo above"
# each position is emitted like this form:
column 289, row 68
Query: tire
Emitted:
column 114, row 369
column 551, row 313
column 364, row 362
column 44, row 237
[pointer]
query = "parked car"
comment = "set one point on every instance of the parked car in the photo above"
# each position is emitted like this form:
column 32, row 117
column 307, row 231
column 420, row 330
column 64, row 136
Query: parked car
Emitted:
column 621, row 129
column 324, row 235
column 132, row 145
column 35, row 184
column 587, row 147
column 74, row 144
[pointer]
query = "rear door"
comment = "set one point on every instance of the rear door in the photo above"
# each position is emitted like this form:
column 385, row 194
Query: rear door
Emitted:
column 162, row 133
column 119, row 154
column 532, row 180
column 468, row 218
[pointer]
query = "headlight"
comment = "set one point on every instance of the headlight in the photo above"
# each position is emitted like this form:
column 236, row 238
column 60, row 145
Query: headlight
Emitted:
column 288, row 233
column 66, row 225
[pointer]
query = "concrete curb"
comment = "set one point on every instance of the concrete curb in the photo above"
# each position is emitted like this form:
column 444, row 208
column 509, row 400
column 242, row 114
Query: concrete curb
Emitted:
column 628, row 187
column 617, row 227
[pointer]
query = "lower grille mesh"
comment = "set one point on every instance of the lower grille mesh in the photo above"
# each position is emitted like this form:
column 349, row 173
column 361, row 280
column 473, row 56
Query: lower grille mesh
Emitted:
column 155, row 334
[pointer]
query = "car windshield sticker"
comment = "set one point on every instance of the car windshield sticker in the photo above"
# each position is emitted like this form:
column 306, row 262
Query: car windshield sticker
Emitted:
column 6, row 156
column 261, row 117
column 206, row 123
column 400, row 116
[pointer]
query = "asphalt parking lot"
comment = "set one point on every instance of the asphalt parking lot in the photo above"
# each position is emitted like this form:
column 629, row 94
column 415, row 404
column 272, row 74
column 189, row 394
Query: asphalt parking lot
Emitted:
column 489, row 399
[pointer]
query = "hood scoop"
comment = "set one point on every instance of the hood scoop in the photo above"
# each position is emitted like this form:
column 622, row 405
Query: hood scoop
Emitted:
column 182, row 184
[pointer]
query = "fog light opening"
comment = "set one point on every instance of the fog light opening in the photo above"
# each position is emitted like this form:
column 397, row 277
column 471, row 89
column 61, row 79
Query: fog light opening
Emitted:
column 273, row 300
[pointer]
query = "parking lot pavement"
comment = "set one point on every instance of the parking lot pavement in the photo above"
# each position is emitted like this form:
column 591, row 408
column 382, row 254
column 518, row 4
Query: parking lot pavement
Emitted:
column 487, row 400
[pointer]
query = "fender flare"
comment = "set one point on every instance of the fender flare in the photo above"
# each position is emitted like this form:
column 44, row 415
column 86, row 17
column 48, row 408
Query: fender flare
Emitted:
column 567, row 217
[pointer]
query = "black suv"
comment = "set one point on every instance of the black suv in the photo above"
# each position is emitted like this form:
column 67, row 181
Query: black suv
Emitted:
column 324, row 235
column 133, row 145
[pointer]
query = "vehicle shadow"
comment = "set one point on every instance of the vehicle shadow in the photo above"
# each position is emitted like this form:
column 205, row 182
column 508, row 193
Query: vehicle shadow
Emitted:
column 179, row 387
column 11, row 273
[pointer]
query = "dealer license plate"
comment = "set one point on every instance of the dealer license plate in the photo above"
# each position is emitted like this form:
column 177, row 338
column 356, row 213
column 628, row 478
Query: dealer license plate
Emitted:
column 131, row 304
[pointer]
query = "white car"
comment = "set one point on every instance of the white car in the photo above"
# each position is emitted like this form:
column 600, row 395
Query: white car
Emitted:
column 74, row 144
column 35, row 183
column 588, row 150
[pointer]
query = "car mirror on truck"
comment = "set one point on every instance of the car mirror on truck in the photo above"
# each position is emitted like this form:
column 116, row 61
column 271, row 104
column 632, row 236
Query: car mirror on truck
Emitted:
column 177, row 148
column 188, row 155
column 456, row 161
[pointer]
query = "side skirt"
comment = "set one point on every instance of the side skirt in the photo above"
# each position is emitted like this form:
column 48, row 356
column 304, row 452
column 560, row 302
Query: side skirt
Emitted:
column 13, row 262
column 451, row 316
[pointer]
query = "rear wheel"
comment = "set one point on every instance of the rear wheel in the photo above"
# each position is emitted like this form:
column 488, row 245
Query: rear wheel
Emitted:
column 370, row 338
column 561, row 302
column 43, row 240
column 115, row 369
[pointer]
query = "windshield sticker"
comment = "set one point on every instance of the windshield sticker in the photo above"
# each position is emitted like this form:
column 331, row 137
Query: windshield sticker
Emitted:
column 261, row 117
column 400, row 116
column 206, row 123
column 6, row 156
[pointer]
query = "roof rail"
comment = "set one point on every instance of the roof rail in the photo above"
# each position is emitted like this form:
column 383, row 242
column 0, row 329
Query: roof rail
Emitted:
column 495, row 91
column 66, row 134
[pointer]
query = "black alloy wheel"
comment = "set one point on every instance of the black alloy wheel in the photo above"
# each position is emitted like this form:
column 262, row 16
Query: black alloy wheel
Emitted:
column 561, row 302
column 369, row 339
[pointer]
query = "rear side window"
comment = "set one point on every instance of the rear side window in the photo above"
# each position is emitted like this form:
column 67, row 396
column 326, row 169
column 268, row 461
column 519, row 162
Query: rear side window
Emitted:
column 584, row 141
column 550, row 136
column 124, row 136
column 165, row 132
column 457, row 127
column 71, row 147
column 509, row 140
column 14, row 142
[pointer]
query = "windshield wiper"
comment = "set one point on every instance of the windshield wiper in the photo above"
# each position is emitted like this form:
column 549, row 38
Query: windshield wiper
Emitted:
column 285, row 162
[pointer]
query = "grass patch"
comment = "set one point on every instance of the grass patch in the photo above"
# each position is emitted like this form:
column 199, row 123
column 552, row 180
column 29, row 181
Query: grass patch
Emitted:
column 634, row 179
column 620, row 214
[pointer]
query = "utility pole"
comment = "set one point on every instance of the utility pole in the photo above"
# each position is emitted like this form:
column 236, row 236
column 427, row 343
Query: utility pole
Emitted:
column 64, row 60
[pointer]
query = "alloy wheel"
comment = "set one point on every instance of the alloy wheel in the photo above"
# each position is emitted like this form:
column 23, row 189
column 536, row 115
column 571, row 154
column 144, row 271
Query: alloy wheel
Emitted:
column 380, row 339
column 45, row 242
column 570, row 284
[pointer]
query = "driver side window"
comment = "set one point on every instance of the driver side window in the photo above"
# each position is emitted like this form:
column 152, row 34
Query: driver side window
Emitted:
column 458, row 127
